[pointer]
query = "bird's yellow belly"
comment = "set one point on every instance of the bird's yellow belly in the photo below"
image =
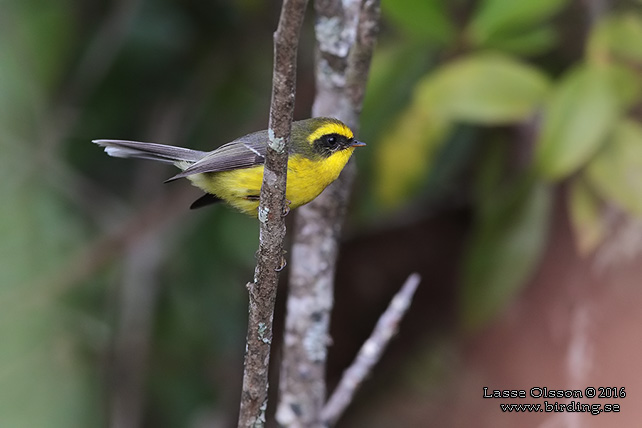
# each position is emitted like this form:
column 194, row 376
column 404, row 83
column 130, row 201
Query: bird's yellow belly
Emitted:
column 306, row 180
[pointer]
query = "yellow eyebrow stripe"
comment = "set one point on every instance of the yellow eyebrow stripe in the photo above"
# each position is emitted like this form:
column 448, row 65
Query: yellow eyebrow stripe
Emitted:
column 330, row 128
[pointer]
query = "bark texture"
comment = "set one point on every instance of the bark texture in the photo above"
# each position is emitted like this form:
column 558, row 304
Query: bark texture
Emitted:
column 270, row 257
column 346, row 34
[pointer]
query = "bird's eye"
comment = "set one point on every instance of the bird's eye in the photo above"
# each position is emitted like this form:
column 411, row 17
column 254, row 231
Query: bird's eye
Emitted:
column 332, row 140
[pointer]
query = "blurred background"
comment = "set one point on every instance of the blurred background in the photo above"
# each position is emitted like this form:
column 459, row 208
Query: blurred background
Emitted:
column 504, row 164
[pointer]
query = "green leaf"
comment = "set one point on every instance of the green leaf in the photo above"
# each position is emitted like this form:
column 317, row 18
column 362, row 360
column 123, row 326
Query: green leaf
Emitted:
column 505, row 249
column 585, row 208
column 616, row 37
column 535, row 41
column 405, row 155
column 402, row 63
column 424, row 19
column 485, row 88
column 626, row 84
column 581, row 113
column 496, row 17
column 616, row 171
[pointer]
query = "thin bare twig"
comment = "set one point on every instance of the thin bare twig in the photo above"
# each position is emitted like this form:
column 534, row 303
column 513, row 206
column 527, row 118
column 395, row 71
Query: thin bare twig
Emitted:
column 346, row 34
column 262, row 292
column 370, row 352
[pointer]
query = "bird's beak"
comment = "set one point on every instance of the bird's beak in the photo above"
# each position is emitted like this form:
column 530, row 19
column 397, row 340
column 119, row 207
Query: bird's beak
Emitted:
column 356, row 143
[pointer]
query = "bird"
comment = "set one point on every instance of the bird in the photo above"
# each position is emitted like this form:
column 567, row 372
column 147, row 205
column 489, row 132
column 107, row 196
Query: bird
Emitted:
column 319, row 150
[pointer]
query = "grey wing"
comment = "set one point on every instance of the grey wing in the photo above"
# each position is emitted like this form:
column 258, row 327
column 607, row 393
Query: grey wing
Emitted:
column 244, row 152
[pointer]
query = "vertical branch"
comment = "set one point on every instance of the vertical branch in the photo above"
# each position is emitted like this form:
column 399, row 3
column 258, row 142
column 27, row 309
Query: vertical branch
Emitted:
column 346, row 34
column 262, row 292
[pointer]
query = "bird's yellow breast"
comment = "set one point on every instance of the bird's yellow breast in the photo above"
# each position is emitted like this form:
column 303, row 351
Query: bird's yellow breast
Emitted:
column 306, row 180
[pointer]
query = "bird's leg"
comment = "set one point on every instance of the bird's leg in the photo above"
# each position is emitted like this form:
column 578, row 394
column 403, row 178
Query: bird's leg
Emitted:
column 283, row 263
column 286, row 208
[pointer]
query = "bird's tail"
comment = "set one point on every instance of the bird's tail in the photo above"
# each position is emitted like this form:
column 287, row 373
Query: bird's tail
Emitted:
column 179, row 156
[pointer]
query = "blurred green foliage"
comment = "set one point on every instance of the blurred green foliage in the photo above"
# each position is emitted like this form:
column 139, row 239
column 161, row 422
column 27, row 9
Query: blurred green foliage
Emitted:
column 72, row 71
column 483, row 88
column 587, row 216
column 519, row 27
column 511, row 231
column 581, row 113
column 616, row 172
column 491, row 102
column 507, row 67
column 426, row 20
